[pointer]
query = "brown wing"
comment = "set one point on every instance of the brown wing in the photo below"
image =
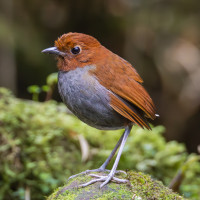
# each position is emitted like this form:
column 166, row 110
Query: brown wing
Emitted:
column 127, row 111
column 118, row 76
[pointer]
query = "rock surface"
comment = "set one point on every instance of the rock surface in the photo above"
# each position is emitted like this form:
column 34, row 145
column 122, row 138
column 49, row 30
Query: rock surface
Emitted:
column 139, row 187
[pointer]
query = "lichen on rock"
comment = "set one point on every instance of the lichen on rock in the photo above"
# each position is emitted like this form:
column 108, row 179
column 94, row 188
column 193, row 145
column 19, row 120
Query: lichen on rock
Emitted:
column 139, row 187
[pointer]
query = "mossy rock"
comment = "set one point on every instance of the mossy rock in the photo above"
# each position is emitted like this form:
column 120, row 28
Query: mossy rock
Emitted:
column 139, row 187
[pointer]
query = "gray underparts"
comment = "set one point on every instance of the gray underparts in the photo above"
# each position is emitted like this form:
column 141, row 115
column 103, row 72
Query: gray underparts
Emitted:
column 88, row 99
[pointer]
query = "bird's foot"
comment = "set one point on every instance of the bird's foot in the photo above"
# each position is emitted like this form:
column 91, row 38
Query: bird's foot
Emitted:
column 96, row 170
column 105, row 179
column 88, row 171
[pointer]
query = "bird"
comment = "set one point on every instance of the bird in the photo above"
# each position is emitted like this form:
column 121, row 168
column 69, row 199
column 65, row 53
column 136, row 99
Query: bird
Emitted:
column 103, row 90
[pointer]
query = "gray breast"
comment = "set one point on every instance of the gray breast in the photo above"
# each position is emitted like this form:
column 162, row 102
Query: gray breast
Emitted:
column 88, row 99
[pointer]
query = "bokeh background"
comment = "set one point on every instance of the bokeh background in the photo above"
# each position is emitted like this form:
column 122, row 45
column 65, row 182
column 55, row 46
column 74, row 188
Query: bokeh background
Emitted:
column 161, row 38
column 40, row 145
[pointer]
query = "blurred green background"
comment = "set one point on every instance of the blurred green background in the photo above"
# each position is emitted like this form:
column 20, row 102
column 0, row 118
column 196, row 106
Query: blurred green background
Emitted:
column 160, row 38
column 39, row 150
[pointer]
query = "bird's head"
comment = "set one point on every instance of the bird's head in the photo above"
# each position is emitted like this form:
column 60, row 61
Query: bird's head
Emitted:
column 74, row 50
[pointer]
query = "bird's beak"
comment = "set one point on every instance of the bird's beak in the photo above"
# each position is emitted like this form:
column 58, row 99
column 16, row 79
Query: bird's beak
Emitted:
column 54, row 50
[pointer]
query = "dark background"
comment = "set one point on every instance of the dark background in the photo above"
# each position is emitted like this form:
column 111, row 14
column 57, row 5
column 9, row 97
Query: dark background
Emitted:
column 161, row 38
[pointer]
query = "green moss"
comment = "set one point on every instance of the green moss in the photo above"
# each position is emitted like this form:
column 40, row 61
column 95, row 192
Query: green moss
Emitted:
column 141, row 186
column 40, row 145
column 147, row 188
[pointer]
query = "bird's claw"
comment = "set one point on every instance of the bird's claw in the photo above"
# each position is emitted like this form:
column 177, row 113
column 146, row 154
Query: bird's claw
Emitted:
column 89, row 171
column 96, row 170
column 104, row 179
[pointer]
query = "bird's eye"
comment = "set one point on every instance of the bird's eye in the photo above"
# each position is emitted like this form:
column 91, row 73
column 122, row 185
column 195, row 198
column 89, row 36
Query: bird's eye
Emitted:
column 76, row 50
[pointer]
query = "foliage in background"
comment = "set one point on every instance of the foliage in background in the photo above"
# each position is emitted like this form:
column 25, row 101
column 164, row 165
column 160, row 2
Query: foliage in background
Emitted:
column 160, row 38
column 40, row 147
column 35, row 90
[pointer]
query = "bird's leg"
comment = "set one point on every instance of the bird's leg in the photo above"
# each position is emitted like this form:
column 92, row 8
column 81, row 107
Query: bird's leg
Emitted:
column 110, row 176
column 104, row 165
column 102, row 168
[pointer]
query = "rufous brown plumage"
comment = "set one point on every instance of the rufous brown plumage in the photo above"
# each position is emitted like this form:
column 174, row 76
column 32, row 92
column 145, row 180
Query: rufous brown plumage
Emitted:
column 101, row 89
column 113, row 72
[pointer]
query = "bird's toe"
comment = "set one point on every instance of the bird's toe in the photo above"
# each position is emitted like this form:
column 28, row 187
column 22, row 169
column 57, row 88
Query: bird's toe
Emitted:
column 105, row 179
